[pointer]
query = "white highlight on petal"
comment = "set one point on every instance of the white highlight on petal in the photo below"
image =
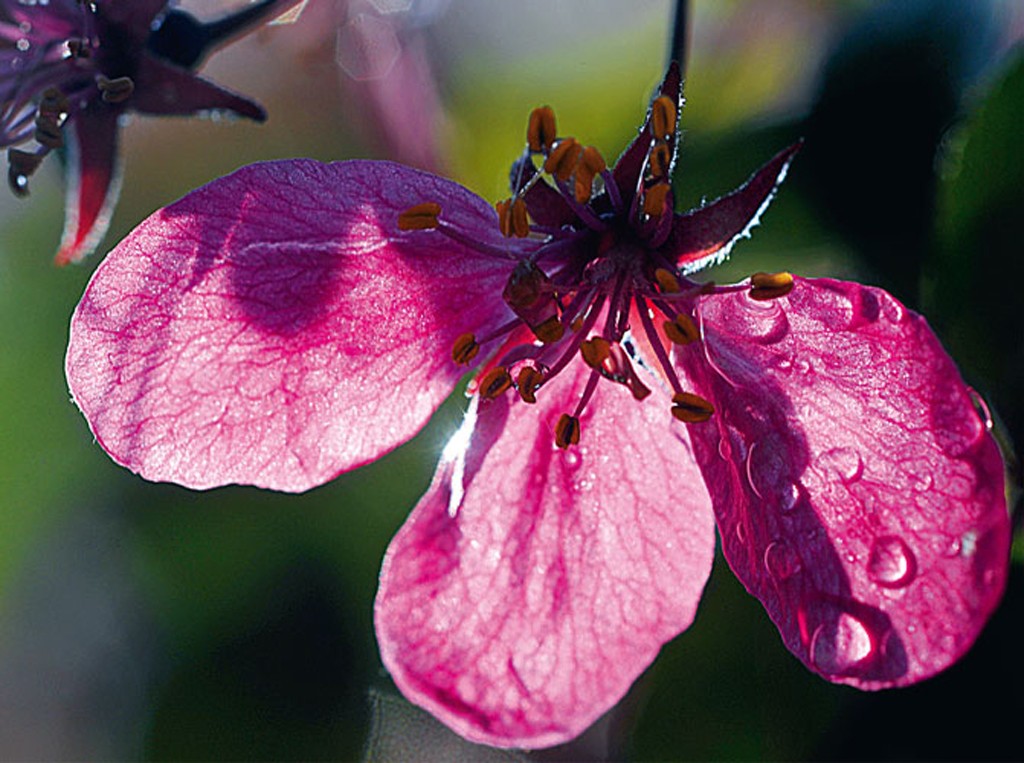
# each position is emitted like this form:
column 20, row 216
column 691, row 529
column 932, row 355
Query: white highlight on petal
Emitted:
column 455, row 453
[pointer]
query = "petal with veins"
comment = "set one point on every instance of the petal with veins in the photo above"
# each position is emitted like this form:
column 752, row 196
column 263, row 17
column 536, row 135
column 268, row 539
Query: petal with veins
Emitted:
column 275, row 328
column 858, row 493
column 526, row 613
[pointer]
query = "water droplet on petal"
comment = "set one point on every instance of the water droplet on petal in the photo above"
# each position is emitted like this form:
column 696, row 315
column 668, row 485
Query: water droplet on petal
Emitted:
column 891, row 563
column 981, row 407
column 838, row 646
column 968, row 544
column 845, row 463
column 893, row 310
column 781, row 561
column 762, row 321
column 783, row 363
column 790, row 496
column 803, row 366
column 23, row 44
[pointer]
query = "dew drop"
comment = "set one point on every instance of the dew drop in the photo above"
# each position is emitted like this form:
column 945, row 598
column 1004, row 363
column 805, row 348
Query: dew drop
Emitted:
column 891, row 563
column 790, row 496
column 803, row 366
column 894, row 311
column 781, row 561
column 762, row 321
column 968, row 544
column 845, row 463
column 784, row 364
column 23, row 44
column 839, row 646
column 981, row 407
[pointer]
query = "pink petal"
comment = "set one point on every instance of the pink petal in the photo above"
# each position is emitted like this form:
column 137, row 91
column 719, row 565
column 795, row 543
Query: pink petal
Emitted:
column 163, row 88
column 858, row 493
column 705, row 236
column 92, row 180
column 525, row 616
column 275, row 328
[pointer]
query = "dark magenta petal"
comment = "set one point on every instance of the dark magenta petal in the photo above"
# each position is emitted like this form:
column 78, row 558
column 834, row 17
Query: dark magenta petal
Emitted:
column 531, row 586
column 858, row 492
column 275, row 327
column 631, row 163
column 163, row 88
column 92, row 179
column 705, row 236
column 546, row 206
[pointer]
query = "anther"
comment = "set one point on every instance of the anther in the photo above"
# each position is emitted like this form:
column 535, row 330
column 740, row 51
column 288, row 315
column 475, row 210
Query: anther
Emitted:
column 595, row 351
column 115, row 90
column 465, row 349
column 663, row 118
column 48, row 132
column 540, row 133
column 527, row 383
column 420, row 217
column 564, row 157
column 549, row 331
column 512, row 218
column 53, row 103
column 617, row 368
column 567, row 431
column 660, row 160
column 78, row 48
column 765, row 286
column 591, row 164
column 681, row 330
column 494, row 383
column 22, row 165
column 690, row 408
column 667, row 281
column 654, row 199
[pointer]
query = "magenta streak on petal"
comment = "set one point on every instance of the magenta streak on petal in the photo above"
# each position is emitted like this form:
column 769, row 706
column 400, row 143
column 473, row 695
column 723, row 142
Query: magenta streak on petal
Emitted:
column 527, row 613
column 275, row 328
column 858, row 493
column 705, row 236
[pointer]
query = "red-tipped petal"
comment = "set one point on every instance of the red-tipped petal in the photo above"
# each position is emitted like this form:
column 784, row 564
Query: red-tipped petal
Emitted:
column 858, row 492
column 92, row 180
column 275, row 327
column 705, row 236
column 531, row 586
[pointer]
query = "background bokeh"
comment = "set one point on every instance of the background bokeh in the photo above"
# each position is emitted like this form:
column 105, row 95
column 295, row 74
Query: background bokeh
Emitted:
column 147, row 621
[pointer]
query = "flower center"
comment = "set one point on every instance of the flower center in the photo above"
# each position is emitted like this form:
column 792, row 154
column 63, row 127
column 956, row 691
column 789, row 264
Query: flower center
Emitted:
column 597, row 285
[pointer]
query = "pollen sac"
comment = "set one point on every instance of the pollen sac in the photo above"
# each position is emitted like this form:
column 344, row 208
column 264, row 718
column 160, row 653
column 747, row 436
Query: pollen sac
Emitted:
column 465, row 349
column 541, row 132
column 494, row 383
column 530, row 295
column 512, row 218
column 115, row 90
column 681, row 330
column 567, row 431
column 48, row 132
column 667, row 281
column 420, row 217
column 527, row 383
column 764, row 286
column 617, row 367
column 21, row 165
column 595, row 351
column 654, row 199
column 591, row 164
column 564, row 157
column 660, row 160
column 690, row 408
column 663, row 118
column 53, row 103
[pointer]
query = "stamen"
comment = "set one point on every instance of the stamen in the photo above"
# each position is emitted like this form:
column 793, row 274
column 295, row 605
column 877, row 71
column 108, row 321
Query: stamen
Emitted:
column 530, row 294
column 682, row 330
column 654, row 199
column 420, row 217
column 53, row 103
column 660, row 160
column 48, row 132
column 663, row 118
column 78, row 48
column 115, row 90
column 465, row 349
column 541, row 133
column 527, row 383
column 690, row 408
column 591, row 164
column 22, row 165
column 512, row 218
column 562, row 160
column 494, row 383
column 764, row 286
column 595, row 351
column 667, row 281
column 567, row 431
column 617, row 368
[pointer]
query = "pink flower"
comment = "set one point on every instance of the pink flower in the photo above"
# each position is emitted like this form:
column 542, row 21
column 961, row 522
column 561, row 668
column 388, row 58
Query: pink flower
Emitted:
column 69, row 69
column 295, row 320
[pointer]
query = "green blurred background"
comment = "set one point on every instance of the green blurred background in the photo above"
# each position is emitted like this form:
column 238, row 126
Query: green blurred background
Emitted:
column 147, row 621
